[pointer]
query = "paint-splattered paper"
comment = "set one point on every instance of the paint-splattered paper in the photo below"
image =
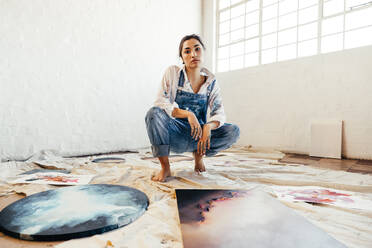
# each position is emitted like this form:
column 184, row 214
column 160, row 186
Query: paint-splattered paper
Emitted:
column 54, row 178
column 319, row 195
column 237, row 219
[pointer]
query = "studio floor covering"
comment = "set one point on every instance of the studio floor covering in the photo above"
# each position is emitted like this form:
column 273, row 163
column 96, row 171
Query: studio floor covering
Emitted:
column 237, row 168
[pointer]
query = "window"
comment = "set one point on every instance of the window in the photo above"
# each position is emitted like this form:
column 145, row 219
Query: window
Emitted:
column 255, row 32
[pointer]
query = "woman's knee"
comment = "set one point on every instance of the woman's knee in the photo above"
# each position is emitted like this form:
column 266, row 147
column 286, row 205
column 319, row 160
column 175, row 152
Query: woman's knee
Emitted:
column 155, row 113
column 233, row 132
column 237, row 131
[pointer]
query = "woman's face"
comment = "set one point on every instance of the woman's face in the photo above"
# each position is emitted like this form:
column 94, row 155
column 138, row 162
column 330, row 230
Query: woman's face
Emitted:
column 192, row 54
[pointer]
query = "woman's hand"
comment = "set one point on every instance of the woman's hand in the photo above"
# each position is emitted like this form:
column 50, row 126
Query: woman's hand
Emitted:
column 196, row 129
column 204, row 142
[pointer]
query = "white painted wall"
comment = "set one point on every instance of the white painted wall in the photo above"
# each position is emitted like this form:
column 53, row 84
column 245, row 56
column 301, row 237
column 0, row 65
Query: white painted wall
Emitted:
column 79, row 76
column 209, row 32
column 274, row 104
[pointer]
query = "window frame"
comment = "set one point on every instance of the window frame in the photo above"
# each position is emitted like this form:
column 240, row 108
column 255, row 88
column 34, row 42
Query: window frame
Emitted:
column 319, row 37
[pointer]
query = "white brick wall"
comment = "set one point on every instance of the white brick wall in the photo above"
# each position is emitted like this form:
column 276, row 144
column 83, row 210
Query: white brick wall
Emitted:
column 274, row 104
column 79, row 76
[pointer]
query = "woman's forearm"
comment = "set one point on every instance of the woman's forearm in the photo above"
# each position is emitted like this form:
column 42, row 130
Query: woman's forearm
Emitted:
column 213, row 124
column 180, row 113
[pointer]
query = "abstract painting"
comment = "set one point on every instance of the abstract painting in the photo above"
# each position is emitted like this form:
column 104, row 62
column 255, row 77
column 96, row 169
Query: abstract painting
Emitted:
column 244, row 218
column 320, row 195
column 55, row 178
column 73, row 212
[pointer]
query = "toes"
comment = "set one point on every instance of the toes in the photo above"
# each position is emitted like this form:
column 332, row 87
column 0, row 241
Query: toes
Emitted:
column 155, row 178
column 199, row 169
column 158, row 178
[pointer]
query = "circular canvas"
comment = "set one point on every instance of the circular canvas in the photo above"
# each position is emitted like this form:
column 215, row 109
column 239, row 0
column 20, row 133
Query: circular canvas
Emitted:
column 109, row 160
column 73, row 212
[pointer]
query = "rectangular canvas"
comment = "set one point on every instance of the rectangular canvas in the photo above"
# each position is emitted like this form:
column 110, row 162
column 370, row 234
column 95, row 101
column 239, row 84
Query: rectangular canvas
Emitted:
column 244, row 218
column 54, row 178
column 326, row 138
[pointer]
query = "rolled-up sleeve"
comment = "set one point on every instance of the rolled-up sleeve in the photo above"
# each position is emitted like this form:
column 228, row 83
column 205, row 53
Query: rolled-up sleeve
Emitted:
column 164, row 98
column 217, row 112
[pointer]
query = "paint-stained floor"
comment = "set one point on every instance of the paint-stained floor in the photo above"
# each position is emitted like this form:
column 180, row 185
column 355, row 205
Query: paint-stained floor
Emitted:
column 241, row 167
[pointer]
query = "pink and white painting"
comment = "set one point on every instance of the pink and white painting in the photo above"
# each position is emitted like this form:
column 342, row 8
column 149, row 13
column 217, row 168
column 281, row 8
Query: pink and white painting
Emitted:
column 54, row 178
column 320, row 195
column 244, row 218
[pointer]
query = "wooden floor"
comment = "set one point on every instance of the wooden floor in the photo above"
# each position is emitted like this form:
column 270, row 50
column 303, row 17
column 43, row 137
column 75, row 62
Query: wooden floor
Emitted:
column 349, row 165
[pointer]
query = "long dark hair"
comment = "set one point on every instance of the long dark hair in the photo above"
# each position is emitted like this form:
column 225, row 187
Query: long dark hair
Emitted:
column 189, row 37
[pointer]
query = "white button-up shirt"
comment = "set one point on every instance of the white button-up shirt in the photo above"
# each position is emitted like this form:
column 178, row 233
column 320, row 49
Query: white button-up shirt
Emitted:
column 168, row 91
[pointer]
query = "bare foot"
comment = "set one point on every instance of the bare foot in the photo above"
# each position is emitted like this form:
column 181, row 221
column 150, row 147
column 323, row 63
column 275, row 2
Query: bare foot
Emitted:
column 162, row 175
column 199, row 167
column 199, row 164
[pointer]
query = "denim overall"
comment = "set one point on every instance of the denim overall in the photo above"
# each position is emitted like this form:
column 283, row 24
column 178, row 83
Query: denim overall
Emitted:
column 196, row 103
column 167, row 134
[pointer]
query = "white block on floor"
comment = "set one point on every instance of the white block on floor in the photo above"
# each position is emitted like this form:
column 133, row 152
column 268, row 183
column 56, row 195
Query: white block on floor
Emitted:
column 326, row 138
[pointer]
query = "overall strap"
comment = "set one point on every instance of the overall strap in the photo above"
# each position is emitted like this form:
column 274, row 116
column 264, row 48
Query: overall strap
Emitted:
column 210, row 88
column 209, row 91
column 181, row 79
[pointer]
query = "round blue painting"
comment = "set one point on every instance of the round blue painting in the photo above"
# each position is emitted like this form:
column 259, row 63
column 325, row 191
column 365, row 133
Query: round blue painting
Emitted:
column 73, row 212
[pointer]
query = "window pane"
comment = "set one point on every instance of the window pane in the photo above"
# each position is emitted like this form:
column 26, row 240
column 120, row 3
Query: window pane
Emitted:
column 287, row 52
column 252, row 5
column 224, row 27
column 333, row 25
column 308, row 15
column 238, row 11
column 251, row 31
column 269, row 26
column 308, row 31
column 237, row 35
column 236, row 62
column 270, row 12
column 287, row 21
column 357, row 38
column 251, row 45
column 287, row 6
column 268, row 56
column 332, row 43
column 358, row 18
column 307, row 3
column 237, row 23
column 333, row 7
column 252, row 18
column 223, row 52
column 224, row 4
column 224, row 39
column 235, row 1
column 251, row 59
column 223, row 65
column 287, row 36
column 307, row 48
column 353, row 3
column 237, row 49
column 268, row 2
column 268, row 41
column 225, row 15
